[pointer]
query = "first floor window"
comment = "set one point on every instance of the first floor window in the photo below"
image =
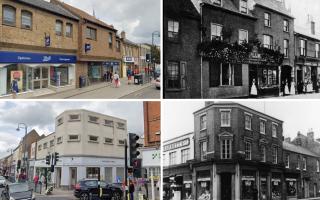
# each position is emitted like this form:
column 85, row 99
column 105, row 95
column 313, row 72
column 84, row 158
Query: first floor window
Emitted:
column 91, row 33
column 225, row 118
column 317, row 50
column 216, row 31
column 303, row 44
column 176, row 72
column 274, row 155
column 304, row 162
column 225, row 74
column 286, row 48
column 69, row 30
column 203, row 150
column 262, row 127
column 274, row 130
column 226, row 149
column 172, row 158
column 285, row 25
column 248, row 150
column 9, row 15
column 173, row 29
column 185, row 155
column 318, row 167
column 263, row 153
column 268, row 41
column 287, row 161
column 298, row 162
column 59, row 25
column 267, row 19
column 247, row 122
column 203, row 122
column 26, row 19
column 243, row 36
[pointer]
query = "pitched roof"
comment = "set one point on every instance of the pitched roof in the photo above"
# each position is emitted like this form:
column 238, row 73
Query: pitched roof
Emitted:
column 44, row 5
column 84, row 15
column 275, row 5
column 227, row 5
column 306, row 31
column 130, row 42
column 297, row 149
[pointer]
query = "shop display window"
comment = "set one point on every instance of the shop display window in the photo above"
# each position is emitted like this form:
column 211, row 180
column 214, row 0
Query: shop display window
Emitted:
column 275, row 189
column 16, row 74
column 291, row 187
column 203, row 190
column 263, row 188
column 248, row 186
column 59, row 76
column 267, row 77
column 187, row 191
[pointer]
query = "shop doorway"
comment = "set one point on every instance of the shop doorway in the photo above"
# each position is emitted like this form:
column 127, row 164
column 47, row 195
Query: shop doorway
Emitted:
column 38, row 78
column 226, row 190
column 252, row 75
column 58, row 177
column 314, row 78
column 285, row 77
column 299, row 81
column 73, row 177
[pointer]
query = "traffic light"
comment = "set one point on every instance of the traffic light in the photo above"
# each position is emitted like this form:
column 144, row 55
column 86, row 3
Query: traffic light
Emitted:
column 48, row 158
column 56, row 158
column 52, row 168
column 136, row 167
column 134, row 153
column 148, row 57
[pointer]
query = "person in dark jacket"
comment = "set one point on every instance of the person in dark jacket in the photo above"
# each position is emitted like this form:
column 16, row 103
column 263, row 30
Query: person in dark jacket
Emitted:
column 131, row 189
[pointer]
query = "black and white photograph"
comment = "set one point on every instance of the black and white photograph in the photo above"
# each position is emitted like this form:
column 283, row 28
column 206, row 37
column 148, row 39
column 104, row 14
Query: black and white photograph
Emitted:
column 240, row 150
column 223, row 49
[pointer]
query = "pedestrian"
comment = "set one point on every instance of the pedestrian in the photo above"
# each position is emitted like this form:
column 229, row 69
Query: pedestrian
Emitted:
column 108, row 76
column 253, row 90
column 36, row 181
column 14, row 88
column 111, row 76
column 116, row 80
column 129, row 73
column 105, row 76
column 131, row 189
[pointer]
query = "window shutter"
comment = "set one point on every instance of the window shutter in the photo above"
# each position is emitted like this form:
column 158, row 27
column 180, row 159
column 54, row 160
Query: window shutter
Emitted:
column 183, row 65
column 238, row 74
column 214, row 74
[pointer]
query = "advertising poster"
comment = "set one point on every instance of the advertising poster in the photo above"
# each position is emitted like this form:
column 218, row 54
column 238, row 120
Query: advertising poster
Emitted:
column 18, row 77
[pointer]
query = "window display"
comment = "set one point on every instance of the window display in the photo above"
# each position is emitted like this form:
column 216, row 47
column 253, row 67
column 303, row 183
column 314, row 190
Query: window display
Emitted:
column 263, row 188
column 267, row 77
column 276, row 188
column 187, row 190
column 291, row 187
column 59, row 76
column 249, row 190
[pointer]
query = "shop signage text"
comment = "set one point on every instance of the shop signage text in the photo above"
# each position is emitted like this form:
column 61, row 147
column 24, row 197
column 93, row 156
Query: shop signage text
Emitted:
column 128, row 59
column 176, row 145
column 23, row 57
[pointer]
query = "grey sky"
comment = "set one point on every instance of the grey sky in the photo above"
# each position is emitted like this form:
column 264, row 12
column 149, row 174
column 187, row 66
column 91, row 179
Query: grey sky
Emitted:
column 297, row 115
column 138, row 18
column 40, row 116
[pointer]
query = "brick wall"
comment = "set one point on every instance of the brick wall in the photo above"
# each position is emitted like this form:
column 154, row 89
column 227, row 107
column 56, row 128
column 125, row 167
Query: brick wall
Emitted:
column 152, row 123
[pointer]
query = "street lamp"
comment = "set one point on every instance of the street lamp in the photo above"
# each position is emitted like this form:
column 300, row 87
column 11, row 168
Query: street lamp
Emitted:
column 23, row 125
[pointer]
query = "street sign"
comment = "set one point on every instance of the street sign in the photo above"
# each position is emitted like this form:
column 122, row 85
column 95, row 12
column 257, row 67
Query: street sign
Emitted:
column 47, row 40
column 87, row 47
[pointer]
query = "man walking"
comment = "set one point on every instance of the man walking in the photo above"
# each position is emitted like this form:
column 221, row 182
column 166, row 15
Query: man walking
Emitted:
column 36, row 181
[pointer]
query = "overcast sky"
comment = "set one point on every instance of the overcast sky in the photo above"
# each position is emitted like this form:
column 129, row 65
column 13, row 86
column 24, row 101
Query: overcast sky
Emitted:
column 138, row 18
column 177, row 117
column 41, row 117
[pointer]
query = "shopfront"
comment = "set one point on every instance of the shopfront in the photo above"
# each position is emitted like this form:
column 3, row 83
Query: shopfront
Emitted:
column 130, row 63
column 248, row 185
column 276, row 186
column 203, row 185
column 34, row 71
column 111, row 66
column 291, row 188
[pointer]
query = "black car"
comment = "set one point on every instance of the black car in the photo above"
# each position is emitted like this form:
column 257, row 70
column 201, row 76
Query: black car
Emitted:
column 17, row 191
column 87, row 188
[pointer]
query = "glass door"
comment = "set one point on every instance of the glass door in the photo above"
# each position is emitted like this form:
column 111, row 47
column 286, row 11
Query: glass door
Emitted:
column 40, row 77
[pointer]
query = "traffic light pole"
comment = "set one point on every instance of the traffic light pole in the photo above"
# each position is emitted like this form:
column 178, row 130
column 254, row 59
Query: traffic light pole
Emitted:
column 126, row 169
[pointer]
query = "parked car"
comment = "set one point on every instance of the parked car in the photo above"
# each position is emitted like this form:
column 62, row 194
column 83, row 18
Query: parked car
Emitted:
column 17, row 191
column 90, row 187
column 157, row 72
column 3, row 181
column 158, row 83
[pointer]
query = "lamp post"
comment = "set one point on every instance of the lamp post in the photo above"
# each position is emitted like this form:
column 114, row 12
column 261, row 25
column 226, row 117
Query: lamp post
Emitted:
column 154, row 33
column 23, row 125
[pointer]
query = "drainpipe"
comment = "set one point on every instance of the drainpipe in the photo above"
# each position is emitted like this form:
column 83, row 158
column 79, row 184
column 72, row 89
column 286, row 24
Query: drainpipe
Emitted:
column 201, row 67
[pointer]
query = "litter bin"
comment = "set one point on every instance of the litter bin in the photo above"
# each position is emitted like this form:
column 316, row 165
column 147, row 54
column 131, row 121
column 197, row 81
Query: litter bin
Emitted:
column 82, row 81
column 137, row 79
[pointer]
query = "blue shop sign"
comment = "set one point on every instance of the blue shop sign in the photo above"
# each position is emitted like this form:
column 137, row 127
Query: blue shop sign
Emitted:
column 23, row 57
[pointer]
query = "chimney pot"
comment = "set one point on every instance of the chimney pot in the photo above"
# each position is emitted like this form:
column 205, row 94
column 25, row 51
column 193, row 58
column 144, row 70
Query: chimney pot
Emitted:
column 123, row 35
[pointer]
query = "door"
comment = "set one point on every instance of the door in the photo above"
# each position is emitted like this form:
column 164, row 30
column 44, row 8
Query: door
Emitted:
column 225, row 186
column 252, row 75
column 299, row 81
column 73, row 177
column 314, row 78
column 40, row 77
column 285, row 77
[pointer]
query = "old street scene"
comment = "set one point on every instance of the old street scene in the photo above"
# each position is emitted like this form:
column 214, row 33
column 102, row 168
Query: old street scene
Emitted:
column 241, row 151
column 80, row 150
column 86, row 49
column 241, row 49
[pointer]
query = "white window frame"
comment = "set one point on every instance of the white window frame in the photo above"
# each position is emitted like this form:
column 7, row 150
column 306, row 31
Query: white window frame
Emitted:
column 263, row 152
column 224, row 154
column 270, row 45
column 173, row 34
column 231, row 75
column 245, row 121
column 287, row 161
column 318, row 166
column 303, row 46
column 265, row 124
column 247, row 34
column 317, row 50
column 275, row 156
column 284, row 27
column 248, row 150
column 276, row 126
column 173, row 158
column 216, row 35
column 269, row 20
column 286, row 49
column 304, row 161
column 221, row 121
column 240, row 6
column 205, row 122
column 185, row 156
column 203, row 149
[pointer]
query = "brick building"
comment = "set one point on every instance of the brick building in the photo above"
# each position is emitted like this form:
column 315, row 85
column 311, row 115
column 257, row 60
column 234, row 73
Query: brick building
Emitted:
column 130, row 55
column 307, row 57
column 181, row 36
column 38, row 47
column 152, row 123
column 99, row 46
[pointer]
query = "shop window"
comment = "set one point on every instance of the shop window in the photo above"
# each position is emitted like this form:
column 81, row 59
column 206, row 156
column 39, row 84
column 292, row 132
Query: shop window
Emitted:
column 121, row 125
column 26, row 19
column 59, row 140
column 203, row 122
column 172, row 158
column 187, row 190
column 176, row 75
column 303, row 44
column 225, row 116
column 267, row 77
column 91, row 33
column 8, row 15
column 304, row 163
column 263, row 153
column 263, row 187
column 69, row 30
column 93, row 119
column 121, row 142
column 317, row 50
column 226, row 149
column 285, row 25
column 216, row 31
column 267, row 19
column 274, row 130
column 243, row 36
column 74, row 117
column 248, row 120
column 225, row 74
column 51, row 143
column 110, row 40
column 275, row 155
column 93, row 139
column 108, row 140
column 248, row 184
column 173, row 29
column 94, row 173
column 59, row 25
column 203, row 150
column 287, row 161
column 244, row 6
column 291, row 187
column 39, row 147
column 268, row 41
column 108, row 123
column 276, row 188
column 16, row 74
column 247, row 150
column 286, row 48
column 45, row 145
column 59, row 76
column 185, row 155
column 262, row 126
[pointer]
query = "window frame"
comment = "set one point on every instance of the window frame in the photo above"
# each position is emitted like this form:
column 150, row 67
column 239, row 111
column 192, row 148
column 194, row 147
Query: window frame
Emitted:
column 110, row 40
column 267, row 20
column 183, row 159
column 203, row 149
column 61, row 31
column 217, row 2
column 222, row 124
column 203, row 124
column 264, row 121
column 274, row 154
column 180, row 81
column 171, row 160
column 287, row 161
column 224, row 152
column 217, row 36
column 70, row 35
column 270, row 45
column 245, row 121
column 14, row 24
column 248, row 150
column 109, row 142
column 286, row 49
column 276, row 129
column 317, row 47
column 241, row 7
column 318, row 166
column 263, row 153
column 91, row 30
column 247, row 38
column 304, row 163
column 93, row 141
column 303, row 51
column 73, row 140
column 173, row 34
column 31, row 18
column 286, row 27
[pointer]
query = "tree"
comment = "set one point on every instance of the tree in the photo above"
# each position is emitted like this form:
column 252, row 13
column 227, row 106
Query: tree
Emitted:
column 155, row 54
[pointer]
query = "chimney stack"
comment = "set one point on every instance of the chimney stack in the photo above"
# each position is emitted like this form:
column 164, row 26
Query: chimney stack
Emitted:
column 310, row 135
column 123, row 35
column 288, row 139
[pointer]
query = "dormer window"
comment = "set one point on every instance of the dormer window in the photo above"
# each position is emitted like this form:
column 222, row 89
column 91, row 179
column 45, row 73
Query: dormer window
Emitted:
column 244, row 6
column 217, row 2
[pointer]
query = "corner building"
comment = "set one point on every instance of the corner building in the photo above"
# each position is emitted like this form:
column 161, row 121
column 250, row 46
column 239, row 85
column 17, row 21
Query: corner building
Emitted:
column 237, row 150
